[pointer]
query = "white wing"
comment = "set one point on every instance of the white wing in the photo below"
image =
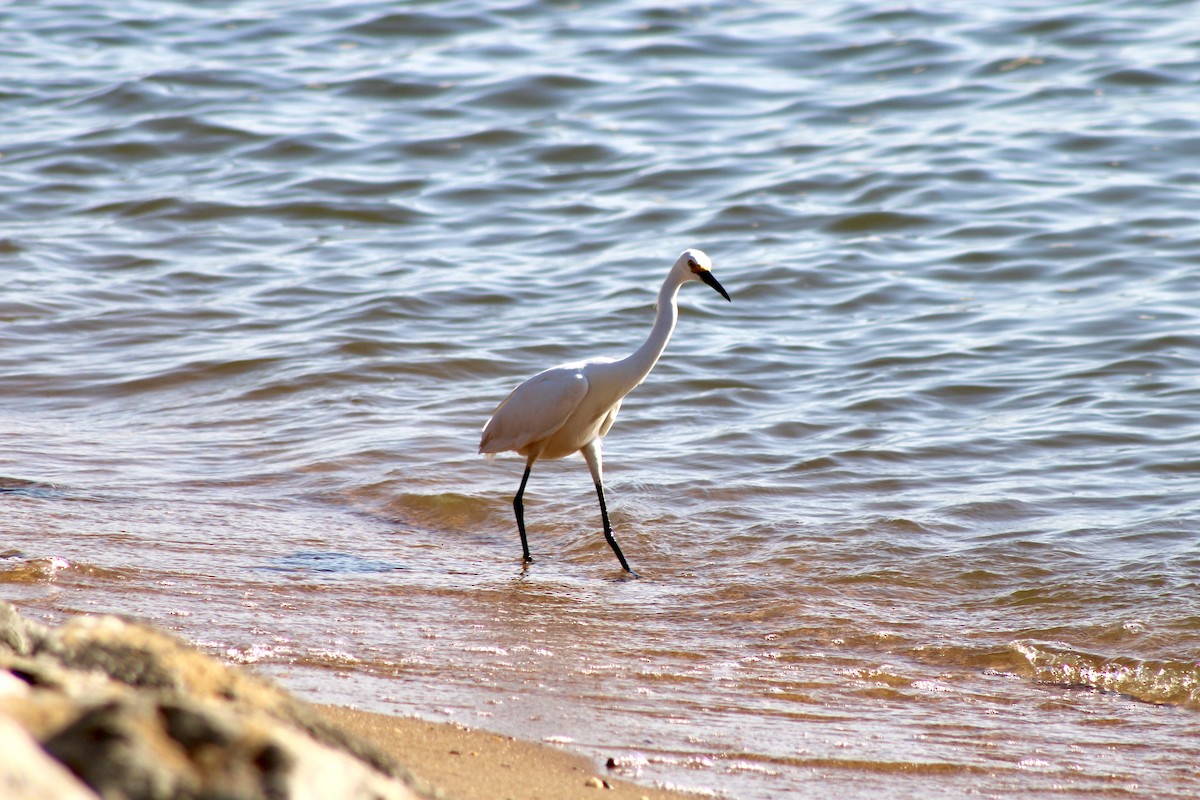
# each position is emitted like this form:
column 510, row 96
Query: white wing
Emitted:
column 536, row 409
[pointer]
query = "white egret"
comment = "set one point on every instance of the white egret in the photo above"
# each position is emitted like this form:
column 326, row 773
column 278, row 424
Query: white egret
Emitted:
column 569, row 408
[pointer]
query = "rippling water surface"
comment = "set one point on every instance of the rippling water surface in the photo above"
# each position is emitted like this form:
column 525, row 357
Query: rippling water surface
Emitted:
column 917, row 513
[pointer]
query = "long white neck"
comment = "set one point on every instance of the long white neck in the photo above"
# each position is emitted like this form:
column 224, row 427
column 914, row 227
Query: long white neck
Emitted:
column 638, row 365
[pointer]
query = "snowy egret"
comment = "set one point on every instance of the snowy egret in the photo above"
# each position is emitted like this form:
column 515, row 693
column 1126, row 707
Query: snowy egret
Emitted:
column 568, row 408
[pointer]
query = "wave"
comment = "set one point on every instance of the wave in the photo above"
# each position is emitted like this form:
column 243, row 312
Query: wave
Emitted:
column 1161, row 682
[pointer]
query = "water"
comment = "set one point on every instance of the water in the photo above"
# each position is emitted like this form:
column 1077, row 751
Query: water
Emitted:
column 916, row 513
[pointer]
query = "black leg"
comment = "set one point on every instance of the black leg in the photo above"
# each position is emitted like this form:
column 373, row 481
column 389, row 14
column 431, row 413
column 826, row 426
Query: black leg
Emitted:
column 519, row 509
column 608, row 534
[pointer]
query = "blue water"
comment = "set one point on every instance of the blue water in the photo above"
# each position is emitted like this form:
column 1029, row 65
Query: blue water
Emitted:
column 916, row 513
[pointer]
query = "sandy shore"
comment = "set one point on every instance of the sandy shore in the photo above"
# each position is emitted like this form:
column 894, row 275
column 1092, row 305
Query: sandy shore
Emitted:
column 469, row 764
column 106, row 707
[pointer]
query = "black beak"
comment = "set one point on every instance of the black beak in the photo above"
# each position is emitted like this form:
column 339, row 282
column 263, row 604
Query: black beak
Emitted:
column 712, row 281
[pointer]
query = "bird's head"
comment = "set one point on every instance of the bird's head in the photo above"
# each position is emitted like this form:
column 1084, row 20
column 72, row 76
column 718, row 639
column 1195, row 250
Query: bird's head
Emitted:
column 695, row 265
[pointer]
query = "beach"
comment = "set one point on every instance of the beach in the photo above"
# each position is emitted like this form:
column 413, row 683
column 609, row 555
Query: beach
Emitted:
column 472, row 764
column 915, row 511
column 103, row 706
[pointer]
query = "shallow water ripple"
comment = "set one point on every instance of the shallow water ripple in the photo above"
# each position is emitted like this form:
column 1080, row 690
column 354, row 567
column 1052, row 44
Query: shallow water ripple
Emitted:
column 916, row 511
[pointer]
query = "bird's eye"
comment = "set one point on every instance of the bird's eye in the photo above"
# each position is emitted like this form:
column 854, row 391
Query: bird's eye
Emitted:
column 691, row 263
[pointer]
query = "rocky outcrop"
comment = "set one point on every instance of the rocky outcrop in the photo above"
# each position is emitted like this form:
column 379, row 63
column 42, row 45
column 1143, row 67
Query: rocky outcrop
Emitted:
column 101, row 707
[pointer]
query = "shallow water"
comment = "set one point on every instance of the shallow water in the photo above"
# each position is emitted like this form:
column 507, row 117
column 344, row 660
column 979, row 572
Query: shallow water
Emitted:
column 916, row 514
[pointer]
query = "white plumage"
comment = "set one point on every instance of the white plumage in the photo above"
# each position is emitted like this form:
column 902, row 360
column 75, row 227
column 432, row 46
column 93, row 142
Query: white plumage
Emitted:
column 569, row 408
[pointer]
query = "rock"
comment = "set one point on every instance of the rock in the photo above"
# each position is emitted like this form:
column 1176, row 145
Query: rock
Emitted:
column 28, row 773
column 135, row 713
column 15, row 631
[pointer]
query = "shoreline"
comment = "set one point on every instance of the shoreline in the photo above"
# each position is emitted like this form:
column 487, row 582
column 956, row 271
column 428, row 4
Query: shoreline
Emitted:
column 103, row 706
column 473, row 764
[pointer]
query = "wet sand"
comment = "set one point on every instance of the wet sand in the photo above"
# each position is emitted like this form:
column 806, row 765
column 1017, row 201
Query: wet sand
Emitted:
column 468, row 764
column 106, row 706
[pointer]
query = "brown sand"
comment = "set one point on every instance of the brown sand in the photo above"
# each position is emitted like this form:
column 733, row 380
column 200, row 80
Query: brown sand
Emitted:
column 470, row 764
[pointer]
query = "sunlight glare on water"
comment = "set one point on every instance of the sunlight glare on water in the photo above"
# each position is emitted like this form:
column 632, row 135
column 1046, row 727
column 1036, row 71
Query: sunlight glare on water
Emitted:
column 916, row 513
